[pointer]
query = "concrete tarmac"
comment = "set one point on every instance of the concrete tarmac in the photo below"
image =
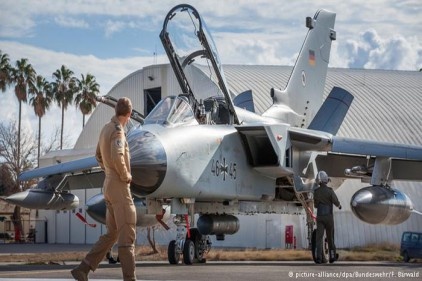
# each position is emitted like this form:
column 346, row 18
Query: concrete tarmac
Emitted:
column 228, row 271
column 244, row 271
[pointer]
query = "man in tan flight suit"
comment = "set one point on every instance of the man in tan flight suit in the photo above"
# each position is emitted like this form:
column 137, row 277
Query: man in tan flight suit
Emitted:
column 324, row 198
column 113, row 156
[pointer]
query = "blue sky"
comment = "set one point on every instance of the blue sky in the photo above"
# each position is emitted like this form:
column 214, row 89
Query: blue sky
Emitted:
column 111, row 39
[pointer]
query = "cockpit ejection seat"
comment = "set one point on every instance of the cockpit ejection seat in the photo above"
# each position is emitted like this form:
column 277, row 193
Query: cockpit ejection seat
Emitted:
column 219, row 113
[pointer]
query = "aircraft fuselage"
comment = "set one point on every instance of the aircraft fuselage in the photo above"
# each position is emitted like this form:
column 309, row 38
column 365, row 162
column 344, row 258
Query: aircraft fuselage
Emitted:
column 203, row 162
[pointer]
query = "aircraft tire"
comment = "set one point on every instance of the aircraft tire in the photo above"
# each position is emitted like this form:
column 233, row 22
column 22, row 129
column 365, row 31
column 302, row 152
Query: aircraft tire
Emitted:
column 188, row 252
column 324, row 248
column 196, row 237
column 173, row 256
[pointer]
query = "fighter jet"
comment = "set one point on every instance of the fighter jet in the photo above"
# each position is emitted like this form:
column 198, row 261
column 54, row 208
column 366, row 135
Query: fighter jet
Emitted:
column 206, row 152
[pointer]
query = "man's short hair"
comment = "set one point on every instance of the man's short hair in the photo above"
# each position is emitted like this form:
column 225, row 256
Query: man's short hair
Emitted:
column 123, row 106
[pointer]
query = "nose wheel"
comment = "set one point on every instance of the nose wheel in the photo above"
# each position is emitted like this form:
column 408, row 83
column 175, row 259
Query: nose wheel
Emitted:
column 192, row 249
column 188, row 252
column 172, row 253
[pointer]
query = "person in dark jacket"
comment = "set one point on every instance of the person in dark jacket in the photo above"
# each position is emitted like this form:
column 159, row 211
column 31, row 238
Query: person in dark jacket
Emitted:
column 324, row 199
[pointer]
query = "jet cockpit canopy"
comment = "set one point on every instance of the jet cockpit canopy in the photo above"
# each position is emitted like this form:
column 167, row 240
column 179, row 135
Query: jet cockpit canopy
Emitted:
column 172, row 111
column 194, row 58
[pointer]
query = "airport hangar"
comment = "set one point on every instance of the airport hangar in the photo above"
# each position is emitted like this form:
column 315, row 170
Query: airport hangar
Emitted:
column 387, row 107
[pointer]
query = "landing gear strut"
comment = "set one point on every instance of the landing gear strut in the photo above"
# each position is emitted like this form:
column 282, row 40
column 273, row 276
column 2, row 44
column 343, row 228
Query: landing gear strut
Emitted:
column 189, row 243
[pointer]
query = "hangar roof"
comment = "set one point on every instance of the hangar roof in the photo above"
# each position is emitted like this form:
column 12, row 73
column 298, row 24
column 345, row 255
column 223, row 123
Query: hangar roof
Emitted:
column 387, row 104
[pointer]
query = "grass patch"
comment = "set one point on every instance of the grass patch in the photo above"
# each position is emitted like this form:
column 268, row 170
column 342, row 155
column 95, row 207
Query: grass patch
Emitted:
column 373, row 252
column 386, row 247
column 259, row 255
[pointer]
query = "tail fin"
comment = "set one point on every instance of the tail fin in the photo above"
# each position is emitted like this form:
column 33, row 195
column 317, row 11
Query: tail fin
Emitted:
column 302, row 97
column 332, row 112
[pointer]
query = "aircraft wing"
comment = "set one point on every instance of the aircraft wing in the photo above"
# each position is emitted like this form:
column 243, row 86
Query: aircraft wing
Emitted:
column 347, row 157
column 404, row 162
column 320, row 141
column 374, row 148
column 52, row 191
column 75, row 166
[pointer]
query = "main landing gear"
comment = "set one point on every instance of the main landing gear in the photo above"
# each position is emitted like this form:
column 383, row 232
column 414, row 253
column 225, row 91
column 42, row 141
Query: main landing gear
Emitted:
column 326, row 255
column 189, row 243
column 324, row 248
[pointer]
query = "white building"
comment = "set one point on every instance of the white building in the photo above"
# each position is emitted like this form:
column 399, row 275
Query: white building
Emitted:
column 387, row 107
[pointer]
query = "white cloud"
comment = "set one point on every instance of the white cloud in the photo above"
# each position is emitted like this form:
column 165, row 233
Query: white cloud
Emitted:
column 253, row 49
column 113, row 26
column 253, row 12
column 16, row 24
column 373, row 52
column 71, row 22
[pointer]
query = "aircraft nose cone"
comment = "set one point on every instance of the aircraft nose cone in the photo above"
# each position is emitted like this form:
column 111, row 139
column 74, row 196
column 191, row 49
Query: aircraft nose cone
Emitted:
column 148, row 162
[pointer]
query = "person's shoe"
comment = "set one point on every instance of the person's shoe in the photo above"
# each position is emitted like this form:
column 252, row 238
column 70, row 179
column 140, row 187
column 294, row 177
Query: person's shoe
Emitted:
column 333, row 256
column 111, row 260
column 80, row 272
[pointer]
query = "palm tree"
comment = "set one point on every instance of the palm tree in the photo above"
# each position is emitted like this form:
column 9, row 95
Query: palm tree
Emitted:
column 5, row 71
column 63, row 89
column 87, row 90
column 23, row 76
column 41, row 99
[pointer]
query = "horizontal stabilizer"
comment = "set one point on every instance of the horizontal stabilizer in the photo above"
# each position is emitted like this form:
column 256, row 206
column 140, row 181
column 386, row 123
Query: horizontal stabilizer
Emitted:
column 67, row 167
column 332, row 112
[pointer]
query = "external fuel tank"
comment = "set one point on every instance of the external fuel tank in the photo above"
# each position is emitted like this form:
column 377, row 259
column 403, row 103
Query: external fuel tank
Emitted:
column 381, row 205
column 218, row 224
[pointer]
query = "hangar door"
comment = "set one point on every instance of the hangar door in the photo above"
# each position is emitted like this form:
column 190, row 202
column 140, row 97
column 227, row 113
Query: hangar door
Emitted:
column 151, row 98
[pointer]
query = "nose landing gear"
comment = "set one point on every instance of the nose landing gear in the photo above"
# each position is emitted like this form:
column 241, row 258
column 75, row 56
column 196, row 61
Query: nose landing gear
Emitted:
column 189, row 243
